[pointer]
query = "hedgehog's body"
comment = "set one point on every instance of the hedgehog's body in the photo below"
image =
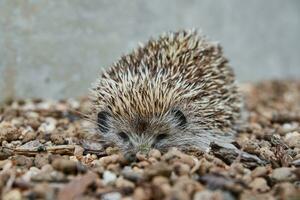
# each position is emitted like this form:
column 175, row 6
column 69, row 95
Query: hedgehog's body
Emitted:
column 175, row 91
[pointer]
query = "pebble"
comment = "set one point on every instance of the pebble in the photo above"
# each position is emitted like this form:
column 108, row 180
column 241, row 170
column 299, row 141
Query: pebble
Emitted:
column 30, row 173
column 131, row 175
column 287, row 190
column 181, row 168
column 112, row 196
column 157, row 169
column 21, row 160
column 8, row 132
column 123, row 183
column 48, row 126
column 259, row 171
column 57, row 138
column 41, row 160
column 283, row 174
column 12, row 195
column 29, row 135
column 207, row 195
column 50, row 176
column 65, row 166
column 104, row 161
column 260, row 185
column 141, row 194
column 293, row 139
column 155, row 153
column 109, row 177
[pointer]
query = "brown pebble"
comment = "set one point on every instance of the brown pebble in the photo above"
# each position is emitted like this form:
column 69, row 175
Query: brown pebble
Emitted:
column 30, row 135
column 259, row 171
column 21, row 160
column 8, row 132
column 181, row 168
column 160, row 168
column 143, row 164
column 78, row 152
column 57, row 138
column 41, row 160
column 123, row 183
column 104, row 161
column 33, row 123
column 43, row 191
column 155, row 153
column 259, row 185
column 141, row 194
column 65, row 166
column 141, row 157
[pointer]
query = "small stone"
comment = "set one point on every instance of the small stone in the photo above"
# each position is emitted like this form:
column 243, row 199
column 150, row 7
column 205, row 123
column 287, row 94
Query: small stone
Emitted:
column 123, row 183
column 155, row 153
column 30, row 173
column 78, row 152
column 65, row 166
column 112, row 196
column 283, row 174
column 255, row 196
column 41, row 160
column 12, row 195
column 57, row 138
column 48, row 126
column 287, row 190
column 181, row 168
column 292, row 139
column 109, row 177
column 131, row 175
column 33, row 145
column 8, row 132
column 259, row 171
column 140, row 193
column 43, row 191
column 30, row 135
column 104, row 161
column 207, row 194
column 162, row 183
column 141, row 157
column 260, row 185
column 50, row 176
column 33, row 123
column 143, row 164
column 21, row 160
column 187, row 159
column 157, row 169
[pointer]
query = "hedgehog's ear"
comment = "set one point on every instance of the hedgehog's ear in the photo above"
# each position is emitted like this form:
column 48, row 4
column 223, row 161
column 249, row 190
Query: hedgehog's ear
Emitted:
column 102, row 121
column 180, row 117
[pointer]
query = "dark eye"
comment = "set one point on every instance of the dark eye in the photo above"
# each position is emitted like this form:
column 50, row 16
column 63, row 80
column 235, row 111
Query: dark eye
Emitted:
column 123, row 136
column 102, row 122
column 180, row 117
column 161, row 137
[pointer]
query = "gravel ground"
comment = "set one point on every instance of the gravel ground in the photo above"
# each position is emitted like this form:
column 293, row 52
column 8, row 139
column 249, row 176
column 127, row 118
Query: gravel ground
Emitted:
column 46, row 153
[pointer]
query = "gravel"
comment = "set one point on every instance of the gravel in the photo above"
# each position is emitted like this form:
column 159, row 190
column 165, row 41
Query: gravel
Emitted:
column 46, row 153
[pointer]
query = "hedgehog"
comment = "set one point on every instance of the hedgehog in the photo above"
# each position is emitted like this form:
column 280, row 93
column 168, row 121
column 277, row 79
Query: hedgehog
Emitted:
column 177, row 90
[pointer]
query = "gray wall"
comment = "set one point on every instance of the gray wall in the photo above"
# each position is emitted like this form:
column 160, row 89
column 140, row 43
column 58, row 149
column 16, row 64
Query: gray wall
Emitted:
column 55, row 49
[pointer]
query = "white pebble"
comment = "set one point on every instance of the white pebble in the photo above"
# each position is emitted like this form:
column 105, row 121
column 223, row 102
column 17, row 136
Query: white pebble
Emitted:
column 112, row 196
column 109, row 177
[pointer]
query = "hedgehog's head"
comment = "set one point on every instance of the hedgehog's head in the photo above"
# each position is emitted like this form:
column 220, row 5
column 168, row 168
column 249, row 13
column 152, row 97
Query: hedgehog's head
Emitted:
column 140, row 134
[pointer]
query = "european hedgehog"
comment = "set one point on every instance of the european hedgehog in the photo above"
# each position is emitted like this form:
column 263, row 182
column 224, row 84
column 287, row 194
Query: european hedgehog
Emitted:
column 175, row 91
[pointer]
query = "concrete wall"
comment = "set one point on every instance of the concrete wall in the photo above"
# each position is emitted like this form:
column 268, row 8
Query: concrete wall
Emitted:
column 55, row 49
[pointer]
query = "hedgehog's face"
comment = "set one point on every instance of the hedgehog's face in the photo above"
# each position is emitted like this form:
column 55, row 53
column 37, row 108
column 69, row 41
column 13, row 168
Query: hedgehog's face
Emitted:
column 140, row 133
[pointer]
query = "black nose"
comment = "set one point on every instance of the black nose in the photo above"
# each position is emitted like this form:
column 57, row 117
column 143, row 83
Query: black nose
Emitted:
column 130, row 157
